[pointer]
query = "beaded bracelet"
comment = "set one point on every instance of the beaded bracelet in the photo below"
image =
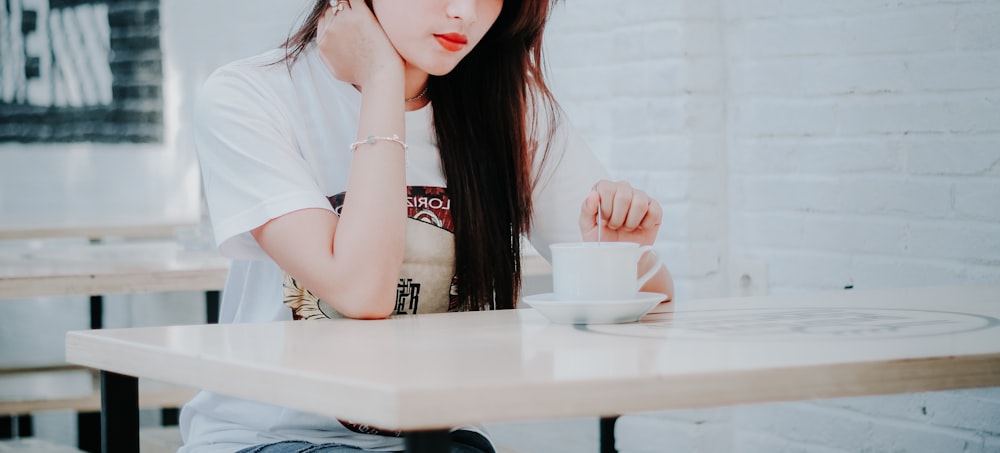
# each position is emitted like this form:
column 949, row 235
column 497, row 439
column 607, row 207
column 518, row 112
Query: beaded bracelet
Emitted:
column 372, row 139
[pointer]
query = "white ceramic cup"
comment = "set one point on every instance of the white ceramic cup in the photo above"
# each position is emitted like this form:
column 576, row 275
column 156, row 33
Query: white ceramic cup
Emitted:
column 599, row 270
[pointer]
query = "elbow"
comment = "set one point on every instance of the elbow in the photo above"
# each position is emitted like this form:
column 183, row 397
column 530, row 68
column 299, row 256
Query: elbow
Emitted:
column 359, row 309
column 368, row 315
column 364, row 288
column 368, row 298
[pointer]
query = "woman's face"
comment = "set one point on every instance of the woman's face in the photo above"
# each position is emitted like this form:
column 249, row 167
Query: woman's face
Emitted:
column 434, row 35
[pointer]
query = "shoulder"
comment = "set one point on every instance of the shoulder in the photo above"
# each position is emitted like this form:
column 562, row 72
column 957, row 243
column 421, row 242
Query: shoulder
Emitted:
column 254, row 77
column 271, row 83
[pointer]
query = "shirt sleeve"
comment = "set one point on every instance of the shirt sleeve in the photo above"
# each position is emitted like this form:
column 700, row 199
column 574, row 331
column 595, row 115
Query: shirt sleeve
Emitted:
column 566, row 173
column 250, row 164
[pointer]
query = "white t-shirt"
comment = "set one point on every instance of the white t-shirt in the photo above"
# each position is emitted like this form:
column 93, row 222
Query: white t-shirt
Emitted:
column 272, row 140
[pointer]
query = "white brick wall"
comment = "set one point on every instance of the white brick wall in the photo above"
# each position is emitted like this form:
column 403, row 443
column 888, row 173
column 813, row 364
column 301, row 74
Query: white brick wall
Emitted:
column 854, row 142
column 864, row 141
column 644, row 81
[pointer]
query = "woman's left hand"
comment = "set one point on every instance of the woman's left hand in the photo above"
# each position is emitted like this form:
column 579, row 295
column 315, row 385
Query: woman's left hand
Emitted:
column 627, row 214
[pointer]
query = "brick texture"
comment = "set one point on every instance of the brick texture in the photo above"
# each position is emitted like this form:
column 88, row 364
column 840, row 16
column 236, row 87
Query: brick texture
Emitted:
column 848, row 143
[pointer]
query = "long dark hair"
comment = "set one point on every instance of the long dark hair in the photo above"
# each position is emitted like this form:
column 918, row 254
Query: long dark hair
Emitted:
column 486, row 119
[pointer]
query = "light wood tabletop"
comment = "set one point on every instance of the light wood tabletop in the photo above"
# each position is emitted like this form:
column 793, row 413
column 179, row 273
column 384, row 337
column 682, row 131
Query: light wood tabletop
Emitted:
column 434, row 371
column 92, row 269
column 91, row 226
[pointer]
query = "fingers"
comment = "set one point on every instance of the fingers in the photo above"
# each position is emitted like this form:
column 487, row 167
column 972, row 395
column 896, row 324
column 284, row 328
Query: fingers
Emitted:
column 636, row 211
column 623, row 207
column 615, row 200
column 336, row 6
column 351, row 42
column 588, row 212
column 339, row 5
column 621, row 203
column 653, row 217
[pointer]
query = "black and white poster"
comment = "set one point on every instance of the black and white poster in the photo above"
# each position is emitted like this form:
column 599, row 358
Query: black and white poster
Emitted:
column 80, row 71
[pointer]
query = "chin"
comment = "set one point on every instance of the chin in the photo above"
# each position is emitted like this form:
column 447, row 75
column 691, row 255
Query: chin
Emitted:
column 441, row 72
column 436, row 68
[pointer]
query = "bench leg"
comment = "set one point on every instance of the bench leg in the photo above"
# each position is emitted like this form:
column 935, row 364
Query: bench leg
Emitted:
column 436, row 441
column 608, row 434
column 212, row 306
column 16, row 426
column 119, row 413
column 170, row 416
column 88, row 431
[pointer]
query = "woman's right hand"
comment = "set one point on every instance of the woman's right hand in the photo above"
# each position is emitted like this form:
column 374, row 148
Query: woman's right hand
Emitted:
column 353, row 44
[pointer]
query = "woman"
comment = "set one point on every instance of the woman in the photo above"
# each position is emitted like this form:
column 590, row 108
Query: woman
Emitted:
column 386, row 161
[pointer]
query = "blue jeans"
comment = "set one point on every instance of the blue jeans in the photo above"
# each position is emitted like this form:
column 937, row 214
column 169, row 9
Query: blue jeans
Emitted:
column 461, row 442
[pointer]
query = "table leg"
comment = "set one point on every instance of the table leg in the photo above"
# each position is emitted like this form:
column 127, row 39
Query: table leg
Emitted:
column 608, row 434
column 212, row 306
column 88, row 424
column 435, row 441
column 88, row 431
column 119, row 413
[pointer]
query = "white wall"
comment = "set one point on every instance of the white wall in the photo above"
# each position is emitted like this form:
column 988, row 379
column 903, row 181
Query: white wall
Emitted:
column 865, row 150
column 849, row 143
column 157, row 181
column 644, row 82
column 864, row 141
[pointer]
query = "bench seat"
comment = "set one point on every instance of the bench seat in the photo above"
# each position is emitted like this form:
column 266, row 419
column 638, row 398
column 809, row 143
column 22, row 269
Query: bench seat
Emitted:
column 32, row 445
column 167, row 439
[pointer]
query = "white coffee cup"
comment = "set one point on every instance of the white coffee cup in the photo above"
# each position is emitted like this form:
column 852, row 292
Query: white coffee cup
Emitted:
column 599, row 270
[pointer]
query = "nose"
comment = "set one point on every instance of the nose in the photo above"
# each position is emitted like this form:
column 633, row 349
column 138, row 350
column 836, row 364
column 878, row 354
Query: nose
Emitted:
column 464, row 10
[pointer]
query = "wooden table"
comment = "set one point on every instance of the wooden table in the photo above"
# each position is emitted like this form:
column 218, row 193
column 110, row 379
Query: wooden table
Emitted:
column 91, row 226
column 128, row 267
column 95, row 270
column 422, row 374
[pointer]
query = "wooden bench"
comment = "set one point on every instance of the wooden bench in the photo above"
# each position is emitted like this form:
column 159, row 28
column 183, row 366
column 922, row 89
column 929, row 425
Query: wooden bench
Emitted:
column 160, row 439
column 91, row 227
column 82, row 398
column 32, row 445
column 96, row 269
column 40, row 269
column 167, row 439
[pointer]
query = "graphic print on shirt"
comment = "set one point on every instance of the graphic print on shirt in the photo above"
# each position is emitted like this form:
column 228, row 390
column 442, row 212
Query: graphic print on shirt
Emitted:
column 427, row 277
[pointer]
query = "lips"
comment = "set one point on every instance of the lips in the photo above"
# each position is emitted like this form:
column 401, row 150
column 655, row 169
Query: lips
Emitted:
column 452, row 42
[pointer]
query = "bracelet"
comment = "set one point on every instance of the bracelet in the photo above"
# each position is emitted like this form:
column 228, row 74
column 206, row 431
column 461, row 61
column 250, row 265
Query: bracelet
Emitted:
column 372, row 139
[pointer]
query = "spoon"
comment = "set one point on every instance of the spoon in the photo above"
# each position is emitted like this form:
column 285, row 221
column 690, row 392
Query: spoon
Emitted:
column 599, row 217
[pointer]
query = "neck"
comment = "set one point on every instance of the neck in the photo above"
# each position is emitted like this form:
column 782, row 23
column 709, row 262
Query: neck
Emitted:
column 416, row 80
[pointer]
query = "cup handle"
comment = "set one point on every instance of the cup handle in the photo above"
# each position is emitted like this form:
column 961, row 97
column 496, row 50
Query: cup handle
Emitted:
column 653, row 269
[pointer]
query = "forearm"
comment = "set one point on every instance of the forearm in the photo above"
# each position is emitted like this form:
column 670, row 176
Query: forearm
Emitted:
column 371, row 232
column 661, row 282
column 352, row 262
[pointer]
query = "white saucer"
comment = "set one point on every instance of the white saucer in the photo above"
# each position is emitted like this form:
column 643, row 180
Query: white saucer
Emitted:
column 573, row 311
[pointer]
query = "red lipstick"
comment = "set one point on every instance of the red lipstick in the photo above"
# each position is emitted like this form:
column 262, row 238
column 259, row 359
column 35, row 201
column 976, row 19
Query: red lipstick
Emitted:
column 452, row 42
